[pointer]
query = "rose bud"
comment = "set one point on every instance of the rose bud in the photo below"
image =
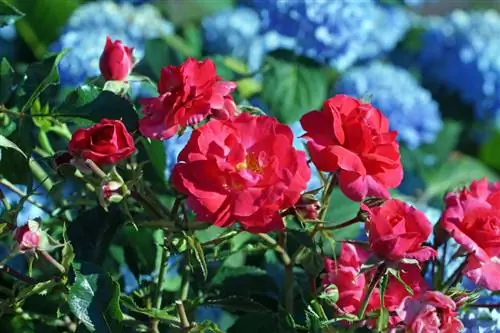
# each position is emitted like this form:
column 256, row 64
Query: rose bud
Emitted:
column 62, row 163
column 111, row 192
column 308, row 207
column 28, row 236
column 116, row 60
column 105, row 143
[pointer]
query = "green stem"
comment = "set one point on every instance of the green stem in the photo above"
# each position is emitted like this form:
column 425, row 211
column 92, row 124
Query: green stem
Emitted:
column 41, row 175
column 186, row 275
column 45, row 255
column 61, row 130
column 185, row 325
column 341, row 225
column 455, row 277
column 5, row 201
column 371, row 288
column 44, row 141
column 157, row 298
column 325, row 200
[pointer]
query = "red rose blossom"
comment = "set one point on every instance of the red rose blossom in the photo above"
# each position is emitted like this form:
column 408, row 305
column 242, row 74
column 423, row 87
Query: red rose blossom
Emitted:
column 353, row 139
column 243, row 169
column 397, row 230
column 345, row 274
column 28, row 236
column 107, row 142
column 116, row 60
column 188, row 94
column 472, row 218
column 430, row 312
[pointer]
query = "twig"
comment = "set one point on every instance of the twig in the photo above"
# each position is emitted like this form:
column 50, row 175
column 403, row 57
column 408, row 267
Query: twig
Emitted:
column 45, row 255
column 185, row 325
column 15, row 274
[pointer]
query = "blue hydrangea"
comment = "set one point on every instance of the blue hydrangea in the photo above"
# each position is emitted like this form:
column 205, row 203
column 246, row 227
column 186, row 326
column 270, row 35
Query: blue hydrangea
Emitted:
column 461, row 52
column 86, row 31
column 338, row 33
column 173, row 147
column 231, row 31
column 409, row 107
column 7, row 41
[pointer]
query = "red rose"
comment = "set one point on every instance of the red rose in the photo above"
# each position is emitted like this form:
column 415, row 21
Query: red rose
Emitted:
column 116, row 60
column 107, row 142
column 353, row 139
column 351, row 284
column 188, row 94
column 472, row 218
column 243, row 169
column 430, row 312
column 397, row 230
column 28, row 236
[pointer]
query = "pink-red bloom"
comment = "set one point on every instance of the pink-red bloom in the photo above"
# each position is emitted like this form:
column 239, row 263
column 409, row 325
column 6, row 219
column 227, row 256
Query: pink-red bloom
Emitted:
column 351, row 284
column 430, row 312
column 472, row 218
column 28, row 236
column 243, row 169
column 107, row 142
column 188, row 94
column 397, row 230
column 353, row 139
column 116, row 60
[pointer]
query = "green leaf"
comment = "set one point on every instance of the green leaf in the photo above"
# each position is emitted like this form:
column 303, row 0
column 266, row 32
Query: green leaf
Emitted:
column 197, row 250
column 182, row 11
column 228, row 280
column 6, row 80
column 8, row 13
column 341, row 208
column 455, row 173
column 157, row 54
column 293, row 89
column 129, row 303
column 302, row 237
column 312, row 261
column 6, row 143
column 255, row 322
column 68, row 255
column 43, row 21
column 93, row 299
column 17, row 170
column 92, row 231
column 39, row 76
column 106, row 105
column 156, row 155
column 237, row 303
column 488, row 152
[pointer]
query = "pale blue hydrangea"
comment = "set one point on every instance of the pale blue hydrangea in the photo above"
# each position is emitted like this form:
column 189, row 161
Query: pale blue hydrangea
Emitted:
column 461, row 52
column 409, row 107
column 338, row 33
column 231, row 31
column 173, row 147
column 86, row 31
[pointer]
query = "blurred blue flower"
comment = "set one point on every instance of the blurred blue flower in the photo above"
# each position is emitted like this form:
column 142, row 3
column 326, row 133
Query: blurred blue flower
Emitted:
column 173, row 147
column 338, row 33
column 460, row 52
column 7, row 41
column 86, row 31
column 231, row 31
column 409, row 107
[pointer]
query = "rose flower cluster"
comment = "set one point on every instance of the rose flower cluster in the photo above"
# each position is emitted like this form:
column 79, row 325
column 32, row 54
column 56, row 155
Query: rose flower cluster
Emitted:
column 239, row 168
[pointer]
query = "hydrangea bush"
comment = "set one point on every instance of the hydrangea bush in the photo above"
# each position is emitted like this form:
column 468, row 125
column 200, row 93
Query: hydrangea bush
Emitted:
column 274, row 172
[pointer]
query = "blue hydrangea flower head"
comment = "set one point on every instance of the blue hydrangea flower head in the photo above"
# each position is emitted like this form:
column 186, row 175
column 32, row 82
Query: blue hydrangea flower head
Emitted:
column 409, row 107
column 231, row 31
column 173, row 147
column 338, row 33
column 86, row 31
column 466, row 45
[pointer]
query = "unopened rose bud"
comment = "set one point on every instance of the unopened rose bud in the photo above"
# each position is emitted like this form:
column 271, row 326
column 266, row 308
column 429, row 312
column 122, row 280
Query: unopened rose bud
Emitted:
column 111, row 192
column 440, row 235
column 28, row 236
column 62, row 163
column 116, row 60
column 308, row 206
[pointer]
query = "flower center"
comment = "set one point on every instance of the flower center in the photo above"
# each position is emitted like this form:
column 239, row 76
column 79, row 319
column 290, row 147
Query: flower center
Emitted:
column 251, row 163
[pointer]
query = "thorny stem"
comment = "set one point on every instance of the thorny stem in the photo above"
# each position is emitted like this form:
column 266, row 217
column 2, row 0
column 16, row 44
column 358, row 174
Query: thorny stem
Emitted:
column 371, row 288
column 341, row 225
column 185, row 325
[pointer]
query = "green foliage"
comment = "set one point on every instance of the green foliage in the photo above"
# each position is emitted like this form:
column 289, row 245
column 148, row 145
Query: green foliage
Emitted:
column 8, row 13
column 293, row 88
column 180, row 12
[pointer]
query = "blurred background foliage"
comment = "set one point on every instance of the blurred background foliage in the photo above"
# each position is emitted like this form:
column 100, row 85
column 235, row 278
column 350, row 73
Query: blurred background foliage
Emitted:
column 433, row 67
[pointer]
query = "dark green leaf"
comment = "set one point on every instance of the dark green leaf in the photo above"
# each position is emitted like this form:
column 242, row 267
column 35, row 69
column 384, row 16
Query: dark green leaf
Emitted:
column 79, row 97
column 6, row 143
column 91, row 233
column 293, row 89
column 128, row 303
column 181, row 11
column 106, row 105
column 302, row 237
column 39, row 77
column 197, row 250
column 158, row 54
column 312, row 261
column 18, row 170
column 382, row 320
column 206, row 326
column 255, row 322
column 237, row 303
column 229, row 281
column 93, row 299
column 43, row 21
column 156, row 154
column 8, row 13
column 6, row 80
column 489, row 150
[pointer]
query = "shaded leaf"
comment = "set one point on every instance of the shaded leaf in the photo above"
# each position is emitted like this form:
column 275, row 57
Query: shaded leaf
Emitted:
column 156, row 155
column 128, row 303
column 255, row 322
column 6, row 80
column 197, row 250
column 8, row 13
column 6, row 143
column 206, row 326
